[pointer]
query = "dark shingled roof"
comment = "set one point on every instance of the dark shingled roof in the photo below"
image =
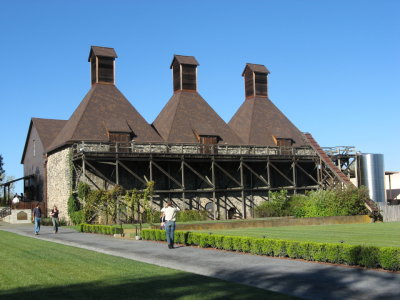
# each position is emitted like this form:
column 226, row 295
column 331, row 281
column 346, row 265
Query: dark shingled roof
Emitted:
column 104, row 109
column 256, row 68
column 102, row 51
column 258, row 119
column 187, row 114
column 184, row 60
column 47, row 130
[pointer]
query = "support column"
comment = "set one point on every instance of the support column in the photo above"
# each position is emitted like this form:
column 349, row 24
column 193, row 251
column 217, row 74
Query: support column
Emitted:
column 183, row 182
column 242, row 188
column 213, row 182
column 84, row 168
column 117, row 170
column 294, row 176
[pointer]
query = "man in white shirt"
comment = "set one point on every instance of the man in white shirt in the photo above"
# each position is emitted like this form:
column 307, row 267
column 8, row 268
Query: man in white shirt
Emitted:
column 170, row 217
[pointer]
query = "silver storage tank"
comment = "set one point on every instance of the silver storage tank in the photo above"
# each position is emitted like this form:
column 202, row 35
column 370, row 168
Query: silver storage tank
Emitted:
column 372, row 175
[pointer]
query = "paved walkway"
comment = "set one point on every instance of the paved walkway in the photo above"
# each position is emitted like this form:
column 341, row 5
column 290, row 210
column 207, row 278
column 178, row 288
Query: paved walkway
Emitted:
column 297, row 278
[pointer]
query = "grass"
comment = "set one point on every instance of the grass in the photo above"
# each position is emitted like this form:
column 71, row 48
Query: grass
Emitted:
column 35, row 269
column 373, row 234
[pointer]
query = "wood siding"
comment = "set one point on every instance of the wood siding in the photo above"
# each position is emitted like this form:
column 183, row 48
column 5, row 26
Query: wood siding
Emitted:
column 106, row 69
column 189, row 77
column 261, row 84
column 248, row 83
column 34, row 161
column 176, row 76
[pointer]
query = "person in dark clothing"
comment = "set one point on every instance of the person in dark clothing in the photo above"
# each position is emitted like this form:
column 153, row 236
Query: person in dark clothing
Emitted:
column 54, row 218
column 37, row 215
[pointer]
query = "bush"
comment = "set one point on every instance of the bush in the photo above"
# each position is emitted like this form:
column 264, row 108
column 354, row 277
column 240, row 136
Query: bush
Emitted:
column 323, row 203
column 49, row 222
column 102, row 229
column 77, row 217
column 73, row 204
column 191, row 215
column 276, row 206
column 389, row 258
column 367, row 256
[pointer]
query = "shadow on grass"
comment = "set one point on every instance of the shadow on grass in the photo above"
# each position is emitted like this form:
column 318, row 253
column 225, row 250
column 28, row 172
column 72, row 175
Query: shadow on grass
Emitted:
column 179, row 286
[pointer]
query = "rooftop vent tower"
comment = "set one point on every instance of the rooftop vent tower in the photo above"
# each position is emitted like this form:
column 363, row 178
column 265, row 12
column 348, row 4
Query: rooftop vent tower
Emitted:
column 184, row 70
column 255, row 80
column 102, row 61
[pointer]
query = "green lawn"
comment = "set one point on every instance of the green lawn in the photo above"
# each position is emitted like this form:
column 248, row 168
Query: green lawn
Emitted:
column 375, row 234
column 35, row 269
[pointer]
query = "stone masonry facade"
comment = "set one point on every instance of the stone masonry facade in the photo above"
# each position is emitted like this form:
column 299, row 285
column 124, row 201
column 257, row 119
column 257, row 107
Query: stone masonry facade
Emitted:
column 59, row 181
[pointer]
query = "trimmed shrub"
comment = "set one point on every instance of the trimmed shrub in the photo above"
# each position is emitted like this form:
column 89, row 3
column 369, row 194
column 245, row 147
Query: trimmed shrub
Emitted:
column 219, row 241
column 191, row 215
column 227, row 243
column 102, row 229
column 389, row 258
column 256, row 246
column 368, row 256
column 267, row 247
column 279, row 248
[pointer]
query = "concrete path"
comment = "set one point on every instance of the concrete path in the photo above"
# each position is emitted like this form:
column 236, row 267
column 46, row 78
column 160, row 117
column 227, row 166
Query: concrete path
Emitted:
column 302, row 279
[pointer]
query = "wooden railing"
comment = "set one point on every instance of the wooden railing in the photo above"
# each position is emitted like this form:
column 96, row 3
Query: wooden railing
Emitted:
column 164, row 148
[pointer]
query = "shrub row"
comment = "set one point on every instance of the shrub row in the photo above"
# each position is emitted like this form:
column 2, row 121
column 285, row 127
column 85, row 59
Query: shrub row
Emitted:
column 367, row 256
column 103, row 229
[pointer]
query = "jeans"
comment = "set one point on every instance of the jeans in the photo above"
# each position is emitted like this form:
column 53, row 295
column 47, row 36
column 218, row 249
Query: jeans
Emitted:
column 37, row 224
column 55, row 224
column 170, row 230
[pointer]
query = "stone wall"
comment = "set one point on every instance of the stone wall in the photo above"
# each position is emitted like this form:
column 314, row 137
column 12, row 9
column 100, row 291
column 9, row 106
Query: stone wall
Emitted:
column 59, row 182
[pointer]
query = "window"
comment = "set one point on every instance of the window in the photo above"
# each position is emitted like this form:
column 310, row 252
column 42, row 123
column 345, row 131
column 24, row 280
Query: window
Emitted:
column 283, row 142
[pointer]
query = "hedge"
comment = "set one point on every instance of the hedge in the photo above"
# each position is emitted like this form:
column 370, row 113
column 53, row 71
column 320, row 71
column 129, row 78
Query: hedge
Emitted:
column 103, row 229
column 366, row 256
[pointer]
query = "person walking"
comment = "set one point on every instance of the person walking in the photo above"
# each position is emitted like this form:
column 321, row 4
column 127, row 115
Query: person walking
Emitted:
column 170, row 217
column 37, row 215
column 54, row 218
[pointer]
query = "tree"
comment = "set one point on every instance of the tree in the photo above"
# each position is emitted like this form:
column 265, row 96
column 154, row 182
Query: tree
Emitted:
column 1, row 168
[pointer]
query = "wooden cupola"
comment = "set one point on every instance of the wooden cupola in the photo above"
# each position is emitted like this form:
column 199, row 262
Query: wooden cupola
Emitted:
column 255, row 80
column 102, row 60
column 184, row 70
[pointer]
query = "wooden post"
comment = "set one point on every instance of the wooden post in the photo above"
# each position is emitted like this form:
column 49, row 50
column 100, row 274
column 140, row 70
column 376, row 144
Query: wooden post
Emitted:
column 213, row 182
column 242, row 188
column 294, row 176
column 183, row 181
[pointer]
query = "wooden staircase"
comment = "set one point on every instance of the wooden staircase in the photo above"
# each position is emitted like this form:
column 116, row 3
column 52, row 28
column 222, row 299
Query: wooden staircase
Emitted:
column 369, row 204
column 326, row 159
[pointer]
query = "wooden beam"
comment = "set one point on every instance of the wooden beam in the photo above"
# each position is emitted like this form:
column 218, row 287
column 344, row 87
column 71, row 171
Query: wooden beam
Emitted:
column 132, row 173
column 98, row 173
column 255, row 174
column 198, row 174
column 280, row 172
column 168, row 175
column 227, row 174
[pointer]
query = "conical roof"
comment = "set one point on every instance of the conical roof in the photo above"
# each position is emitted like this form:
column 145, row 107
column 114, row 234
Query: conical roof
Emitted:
column 104, row 109
column 258, row 120
column 186, row 115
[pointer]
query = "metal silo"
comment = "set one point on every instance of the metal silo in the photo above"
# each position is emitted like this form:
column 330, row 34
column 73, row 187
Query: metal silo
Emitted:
column 372, row 175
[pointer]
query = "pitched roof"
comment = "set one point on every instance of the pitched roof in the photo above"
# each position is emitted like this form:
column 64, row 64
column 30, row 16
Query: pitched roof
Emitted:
column 102, row 51
column 258, row 119
column 187, row 114
column 185, row 60
column 104, row 109
column 47, row 130
column 256, row 68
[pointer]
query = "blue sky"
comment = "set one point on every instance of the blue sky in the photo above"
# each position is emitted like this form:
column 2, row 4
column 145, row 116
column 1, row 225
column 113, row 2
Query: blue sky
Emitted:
column 334, row 64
